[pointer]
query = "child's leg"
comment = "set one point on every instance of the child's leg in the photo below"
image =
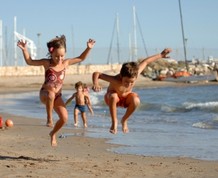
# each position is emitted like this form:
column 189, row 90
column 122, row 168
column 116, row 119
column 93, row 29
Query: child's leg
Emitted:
column 76, row 112
column 112, row 103
column 47, row 98
column 60, row 109
column 132, row 102
column 49, row 108
column 83, row 114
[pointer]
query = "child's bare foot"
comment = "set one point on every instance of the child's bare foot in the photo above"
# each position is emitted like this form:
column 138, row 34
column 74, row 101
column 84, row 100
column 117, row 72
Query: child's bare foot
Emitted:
column 85, row 125
column 53, row 139
column 125, row 127
column 49, row 124
column 113, row 128
column 113, row 131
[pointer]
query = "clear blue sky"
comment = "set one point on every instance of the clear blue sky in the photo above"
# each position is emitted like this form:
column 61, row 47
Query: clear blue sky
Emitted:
column 83, row 19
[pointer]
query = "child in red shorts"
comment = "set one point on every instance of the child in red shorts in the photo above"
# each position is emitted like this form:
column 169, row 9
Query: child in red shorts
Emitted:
column 119, row 92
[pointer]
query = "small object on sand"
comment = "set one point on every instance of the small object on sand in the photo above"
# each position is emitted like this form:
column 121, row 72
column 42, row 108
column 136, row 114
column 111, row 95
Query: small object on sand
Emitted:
column 1, row 122
column 9, row 123
column 62, row 136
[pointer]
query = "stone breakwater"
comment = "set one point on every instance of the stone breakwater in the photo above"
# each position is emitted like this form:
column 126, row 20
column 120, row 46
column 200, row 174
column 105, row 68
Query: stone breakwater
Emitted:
column 74, row 69
column 161, row 67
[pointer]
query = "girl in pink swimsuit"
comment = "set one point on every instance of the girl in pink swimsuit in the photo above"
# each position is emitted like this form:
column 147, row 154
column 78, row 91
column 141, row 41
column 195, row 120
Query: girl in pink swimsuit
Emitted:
column 55, row 65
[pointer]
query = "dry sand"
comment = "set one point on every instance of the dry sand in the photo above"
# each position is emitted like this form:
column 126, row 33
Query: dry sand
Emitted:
column 26, row 152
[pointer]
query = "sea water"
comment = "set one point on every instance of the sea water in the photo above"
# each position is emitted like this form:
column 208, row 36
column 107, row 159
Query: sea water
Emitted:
column 171, row 121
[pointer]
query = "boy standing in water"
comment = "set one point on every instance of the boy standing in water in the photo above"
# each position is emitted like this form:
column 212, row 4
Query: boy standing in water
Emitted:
column 55, row 66
column 119, row 92
column 82, row 99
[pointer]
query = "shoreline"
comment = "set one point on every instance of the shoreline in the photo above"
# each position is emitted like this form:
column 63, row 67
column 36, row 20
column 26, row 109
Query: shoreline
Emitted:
column 26, row 151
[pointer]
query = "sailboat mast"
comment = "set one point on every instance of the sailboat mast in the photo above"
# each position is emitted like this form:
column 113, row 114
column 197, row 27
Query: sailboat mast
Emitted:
column 140, row 30
column 1, row 44
column 130, row 48
column 111, row 43
column 135, row 38
column 183, row 37
column 117, row 28
column 118, row 38
column 15, row 41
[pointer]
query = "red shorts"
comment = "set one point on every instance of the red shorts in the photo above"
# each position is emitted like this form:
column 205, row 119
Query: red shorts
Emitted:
column 122, row 100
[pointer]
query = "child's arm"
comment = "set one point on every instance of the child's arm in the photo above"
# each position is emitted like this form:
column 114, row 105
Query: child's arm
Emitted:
column 89, row 104
column 95, row 77
column 98, row 75
column 90, row 109
column 23, row 46
column 82, row 57
column 69, row 100
column 153, row 58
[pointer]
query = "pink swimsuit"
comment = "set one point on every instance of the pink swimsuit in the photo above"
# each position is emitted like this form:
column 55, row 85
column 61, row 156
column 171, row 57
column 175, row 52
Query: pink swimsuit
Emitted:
column 54, row 79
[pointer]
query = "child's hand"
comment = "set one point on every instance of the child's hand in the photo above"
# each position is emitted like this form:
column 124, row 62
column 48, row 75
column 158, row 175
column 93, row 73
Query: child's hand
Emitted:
column 21, row 44
column 91, row 43
column 67, row 103
column 96, row 88
column 165, row 52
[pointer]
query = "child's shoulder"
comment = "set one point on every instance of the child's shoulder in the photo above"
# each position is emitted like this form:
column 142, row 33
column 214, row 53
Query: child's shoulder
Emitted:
column 74, row 94
column 85, row 94
column 118, row 78
column 79, row 94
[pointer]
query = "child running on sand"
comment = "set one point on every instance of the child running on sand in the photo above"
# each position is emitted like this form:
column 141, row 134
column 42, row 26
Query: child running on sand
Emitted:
column 82, row 99
column 119, row 92
column 55, row 66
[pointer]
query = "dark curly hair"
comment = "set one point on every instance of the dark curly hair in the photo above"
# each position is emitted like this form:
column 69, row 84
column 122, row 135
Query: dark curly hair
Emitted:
column 78, row 84
column 55, row 43
column 129, row 69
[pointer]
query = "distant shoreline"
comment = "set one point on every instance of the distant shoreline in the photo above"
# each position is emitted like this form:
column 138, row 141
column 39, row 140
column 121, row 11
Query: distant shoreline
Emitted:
column 29, row 83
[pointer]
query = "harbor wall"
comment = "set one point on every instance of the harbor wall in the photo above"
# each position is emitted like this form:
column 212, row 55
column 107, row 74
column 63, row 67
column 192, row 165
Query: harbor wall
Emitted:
column 73, row 69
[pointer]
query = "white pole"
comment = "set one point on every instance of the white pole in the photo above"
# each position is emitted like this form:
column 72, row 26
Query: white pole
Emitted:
column 183, row 37
column 118, row 38
column 135, row 38
column 15, row 41
column 24, row 34
column 1, row 44
column 130, row 47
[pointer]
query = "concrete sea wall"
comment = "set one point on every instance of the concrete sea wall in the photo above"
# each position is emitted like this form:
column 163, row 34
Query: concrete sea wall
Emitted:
column 74, row 69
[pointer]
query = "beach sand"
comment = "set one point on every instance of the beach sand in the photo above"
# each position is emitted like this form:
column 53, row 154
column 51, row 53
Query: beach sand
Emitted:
column 26, row 152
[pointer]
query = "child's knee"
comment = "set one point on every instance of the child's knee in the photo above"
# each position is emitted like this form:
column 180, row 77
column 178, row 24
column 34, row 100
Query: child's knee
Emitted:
column 108, row 98
column 137, row 103
column 137, row 100
column 65, row 119
column 133, row 99
column 51, row 95
column 113, row 97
